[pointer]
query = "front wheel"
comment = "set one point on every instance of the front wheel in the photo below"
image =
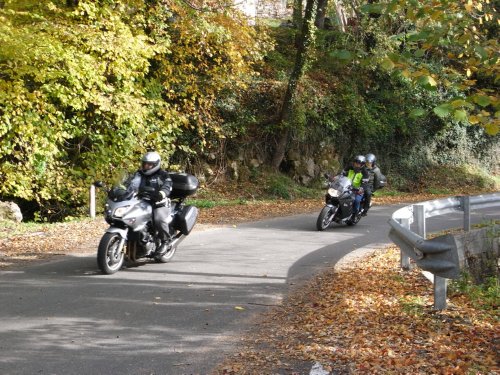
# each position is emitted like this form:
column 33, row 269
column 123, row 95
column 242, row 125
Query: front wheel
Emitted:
column 110, row 254
column 325, row 218
column 355, row 218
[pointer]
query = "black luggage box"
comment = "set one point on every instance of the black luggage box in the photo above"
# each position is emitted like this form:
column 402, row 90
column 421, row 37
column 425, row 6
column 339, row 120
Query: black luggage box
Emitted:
column 183, row 185
column 186, row 219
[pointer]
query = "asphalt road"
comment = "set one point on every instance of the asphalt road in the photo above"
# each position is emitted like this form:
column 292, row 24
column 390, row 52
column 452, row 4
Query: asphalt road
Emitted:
column 182, row 317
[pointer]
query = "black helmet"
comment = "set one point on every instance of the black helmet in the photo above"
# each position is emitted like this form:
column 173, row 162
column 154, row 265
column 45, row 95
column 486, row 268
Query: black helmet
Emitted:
column 150, row 163
column 370, row 158
column 360, row 159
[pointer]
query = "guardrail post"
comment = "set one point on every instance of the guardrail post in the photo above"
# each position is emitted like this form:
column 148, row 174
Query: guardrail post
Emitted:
column 440, row 284
column 440, row 290
column 466, row 209
column 419, row 215
column 405, row 259
column 92, row 201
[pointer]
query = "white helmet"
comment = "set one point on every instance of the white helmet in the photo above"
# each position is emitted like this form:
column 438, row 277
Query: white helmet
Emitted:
column 370, row 158
column 150, row 163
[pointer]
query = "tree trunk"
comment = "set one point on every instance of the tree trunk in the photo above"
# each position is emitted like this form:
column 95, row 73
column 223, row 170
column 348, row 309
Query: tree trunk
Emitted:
column 306, row 37
column 297, row 20
column 321, row 14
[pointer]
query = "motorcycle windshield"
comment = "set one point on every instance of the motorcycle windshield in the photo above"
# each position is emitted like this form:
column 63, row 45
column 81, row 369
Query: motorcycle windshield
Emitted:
column 125, row 189
column 341, row 183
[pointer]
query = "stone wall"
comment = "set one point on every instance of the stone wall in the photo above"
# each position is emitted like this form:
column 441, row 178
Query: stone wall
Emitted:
column 272, row 9
column 479, row 253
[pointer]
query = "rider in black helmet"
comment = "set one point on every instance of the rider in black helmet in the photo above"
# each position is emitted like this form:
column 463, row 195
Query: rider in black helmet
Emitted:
column 374, row 180
column 359, row 176
column 150, row 175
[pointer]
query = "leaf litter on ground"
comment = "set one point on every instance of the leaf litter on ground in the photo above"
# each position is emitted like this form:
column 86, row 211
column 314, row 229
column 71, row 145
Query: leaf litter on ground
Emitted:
column 369, row 318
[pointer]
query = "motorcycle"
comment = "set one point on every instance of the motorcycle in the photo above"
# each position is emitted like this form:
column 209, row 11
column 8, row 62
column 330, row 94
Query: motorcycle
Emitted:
column 339, row 200
column 131, row 236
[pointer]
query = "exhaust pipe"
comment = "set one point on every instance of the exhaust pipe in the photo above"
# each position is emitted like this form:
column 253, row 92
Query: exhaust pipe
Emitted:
column 179, row 237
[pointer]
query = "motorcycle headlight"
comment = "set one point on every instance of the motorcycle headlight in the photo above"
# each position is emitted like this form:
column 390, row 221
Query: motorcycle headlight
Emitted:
column 333, row 192
column 120, row 211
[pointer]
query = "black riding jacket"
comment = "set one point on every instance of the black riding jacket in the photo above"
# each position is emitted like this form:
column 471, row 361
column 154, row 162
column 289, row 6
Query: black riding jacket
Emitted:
column 375, row 176
column 159, row 180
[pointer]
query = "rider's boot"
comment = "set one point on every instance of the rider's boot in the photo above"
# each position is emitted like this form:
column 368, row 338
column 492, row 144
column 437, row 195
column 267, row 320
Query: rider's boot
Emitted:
column 162, row 249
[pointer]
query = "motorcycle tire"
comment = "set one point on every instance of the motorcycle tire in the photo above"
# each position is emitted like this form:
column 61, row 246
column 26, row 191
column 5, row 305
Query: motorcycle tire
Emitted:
column 354, row 220
column 325, row 218
column 167, row 257
column 109, row 258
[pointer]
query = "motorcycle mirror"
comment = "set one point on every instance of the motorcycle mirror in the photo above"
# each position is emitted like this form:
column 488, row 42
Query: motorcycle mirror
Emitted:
column 98, row 184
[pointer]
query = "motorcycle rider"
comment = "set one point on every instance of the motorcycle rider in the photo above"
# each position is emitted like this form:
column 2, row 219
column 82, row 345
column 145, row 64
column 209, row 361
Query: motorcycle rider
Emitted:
column 151, row 175
column 375, row 177
column 358, row 174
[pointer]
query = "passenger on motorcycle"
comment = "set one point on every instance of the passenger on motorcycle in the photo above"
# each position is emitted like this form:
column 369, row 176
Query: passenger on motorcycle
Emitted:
column 358, row 174
column 374, row 181
column 151, row 175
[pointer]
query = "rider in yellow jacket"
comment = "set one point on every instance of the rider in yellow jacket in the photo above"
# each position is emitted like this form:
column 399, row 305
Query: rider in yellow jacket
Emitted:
column 359, row 176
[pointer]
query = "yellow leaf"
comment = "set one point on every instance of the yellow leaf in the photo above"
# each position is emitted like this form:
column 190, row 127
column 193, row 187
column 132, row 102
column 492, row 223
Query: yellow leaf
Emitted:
column 469, row 73
column 473, row 120
column 492, row 128
column 239, row 308
column 469, row 6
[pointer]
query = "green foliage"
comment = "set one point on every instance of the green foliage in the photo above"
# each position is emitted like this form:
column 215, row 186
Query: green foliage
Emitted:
column 72, row 107
column 460, row 36
column 485, row 296
column 283, row 187
column 413, row 305
column 11, row 229
column 84, row 91
column 207, row 203
column 439, row 165
column 439, row 191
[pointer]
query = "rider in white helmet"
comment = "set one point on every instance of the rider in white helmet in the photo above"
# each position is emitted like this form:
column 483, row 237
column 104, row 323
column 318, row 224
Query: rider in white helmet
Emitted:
column 374, row 181
column 151, row 175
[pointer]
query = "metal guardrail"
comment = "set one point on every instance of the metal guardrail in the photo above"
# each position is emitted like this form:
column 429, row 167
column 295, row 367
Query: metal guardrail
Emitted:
column 439, row 255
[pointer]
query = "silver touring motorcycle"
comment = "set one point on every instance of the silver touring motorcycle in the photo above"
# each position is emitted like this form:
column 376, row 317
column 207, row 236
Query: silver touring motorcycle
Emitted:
column 131, row 237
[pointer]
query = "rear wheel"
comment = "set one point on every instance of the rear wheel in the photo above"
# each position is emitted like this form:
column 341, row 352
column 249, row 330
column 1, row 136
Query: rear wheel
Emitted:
column 167, row 257
column 110, row 254
column 325, row 217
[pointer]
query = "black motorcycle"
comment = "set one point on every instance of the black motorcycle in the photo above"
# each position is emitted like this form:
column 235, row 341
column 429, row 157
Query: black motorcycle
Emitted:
column 339, row 201
column 131, row 236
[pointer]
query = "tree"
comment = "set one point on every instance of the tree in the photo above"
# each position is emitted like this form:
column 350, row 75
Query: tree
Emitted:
column 86, row 87
column 306, row 40
column 321, row 14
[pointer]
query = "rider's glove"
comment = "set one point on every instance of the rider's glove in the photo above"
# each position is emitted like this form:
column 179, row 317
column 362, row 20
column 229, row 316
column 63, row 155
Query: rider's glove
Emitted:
column 158, row 196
